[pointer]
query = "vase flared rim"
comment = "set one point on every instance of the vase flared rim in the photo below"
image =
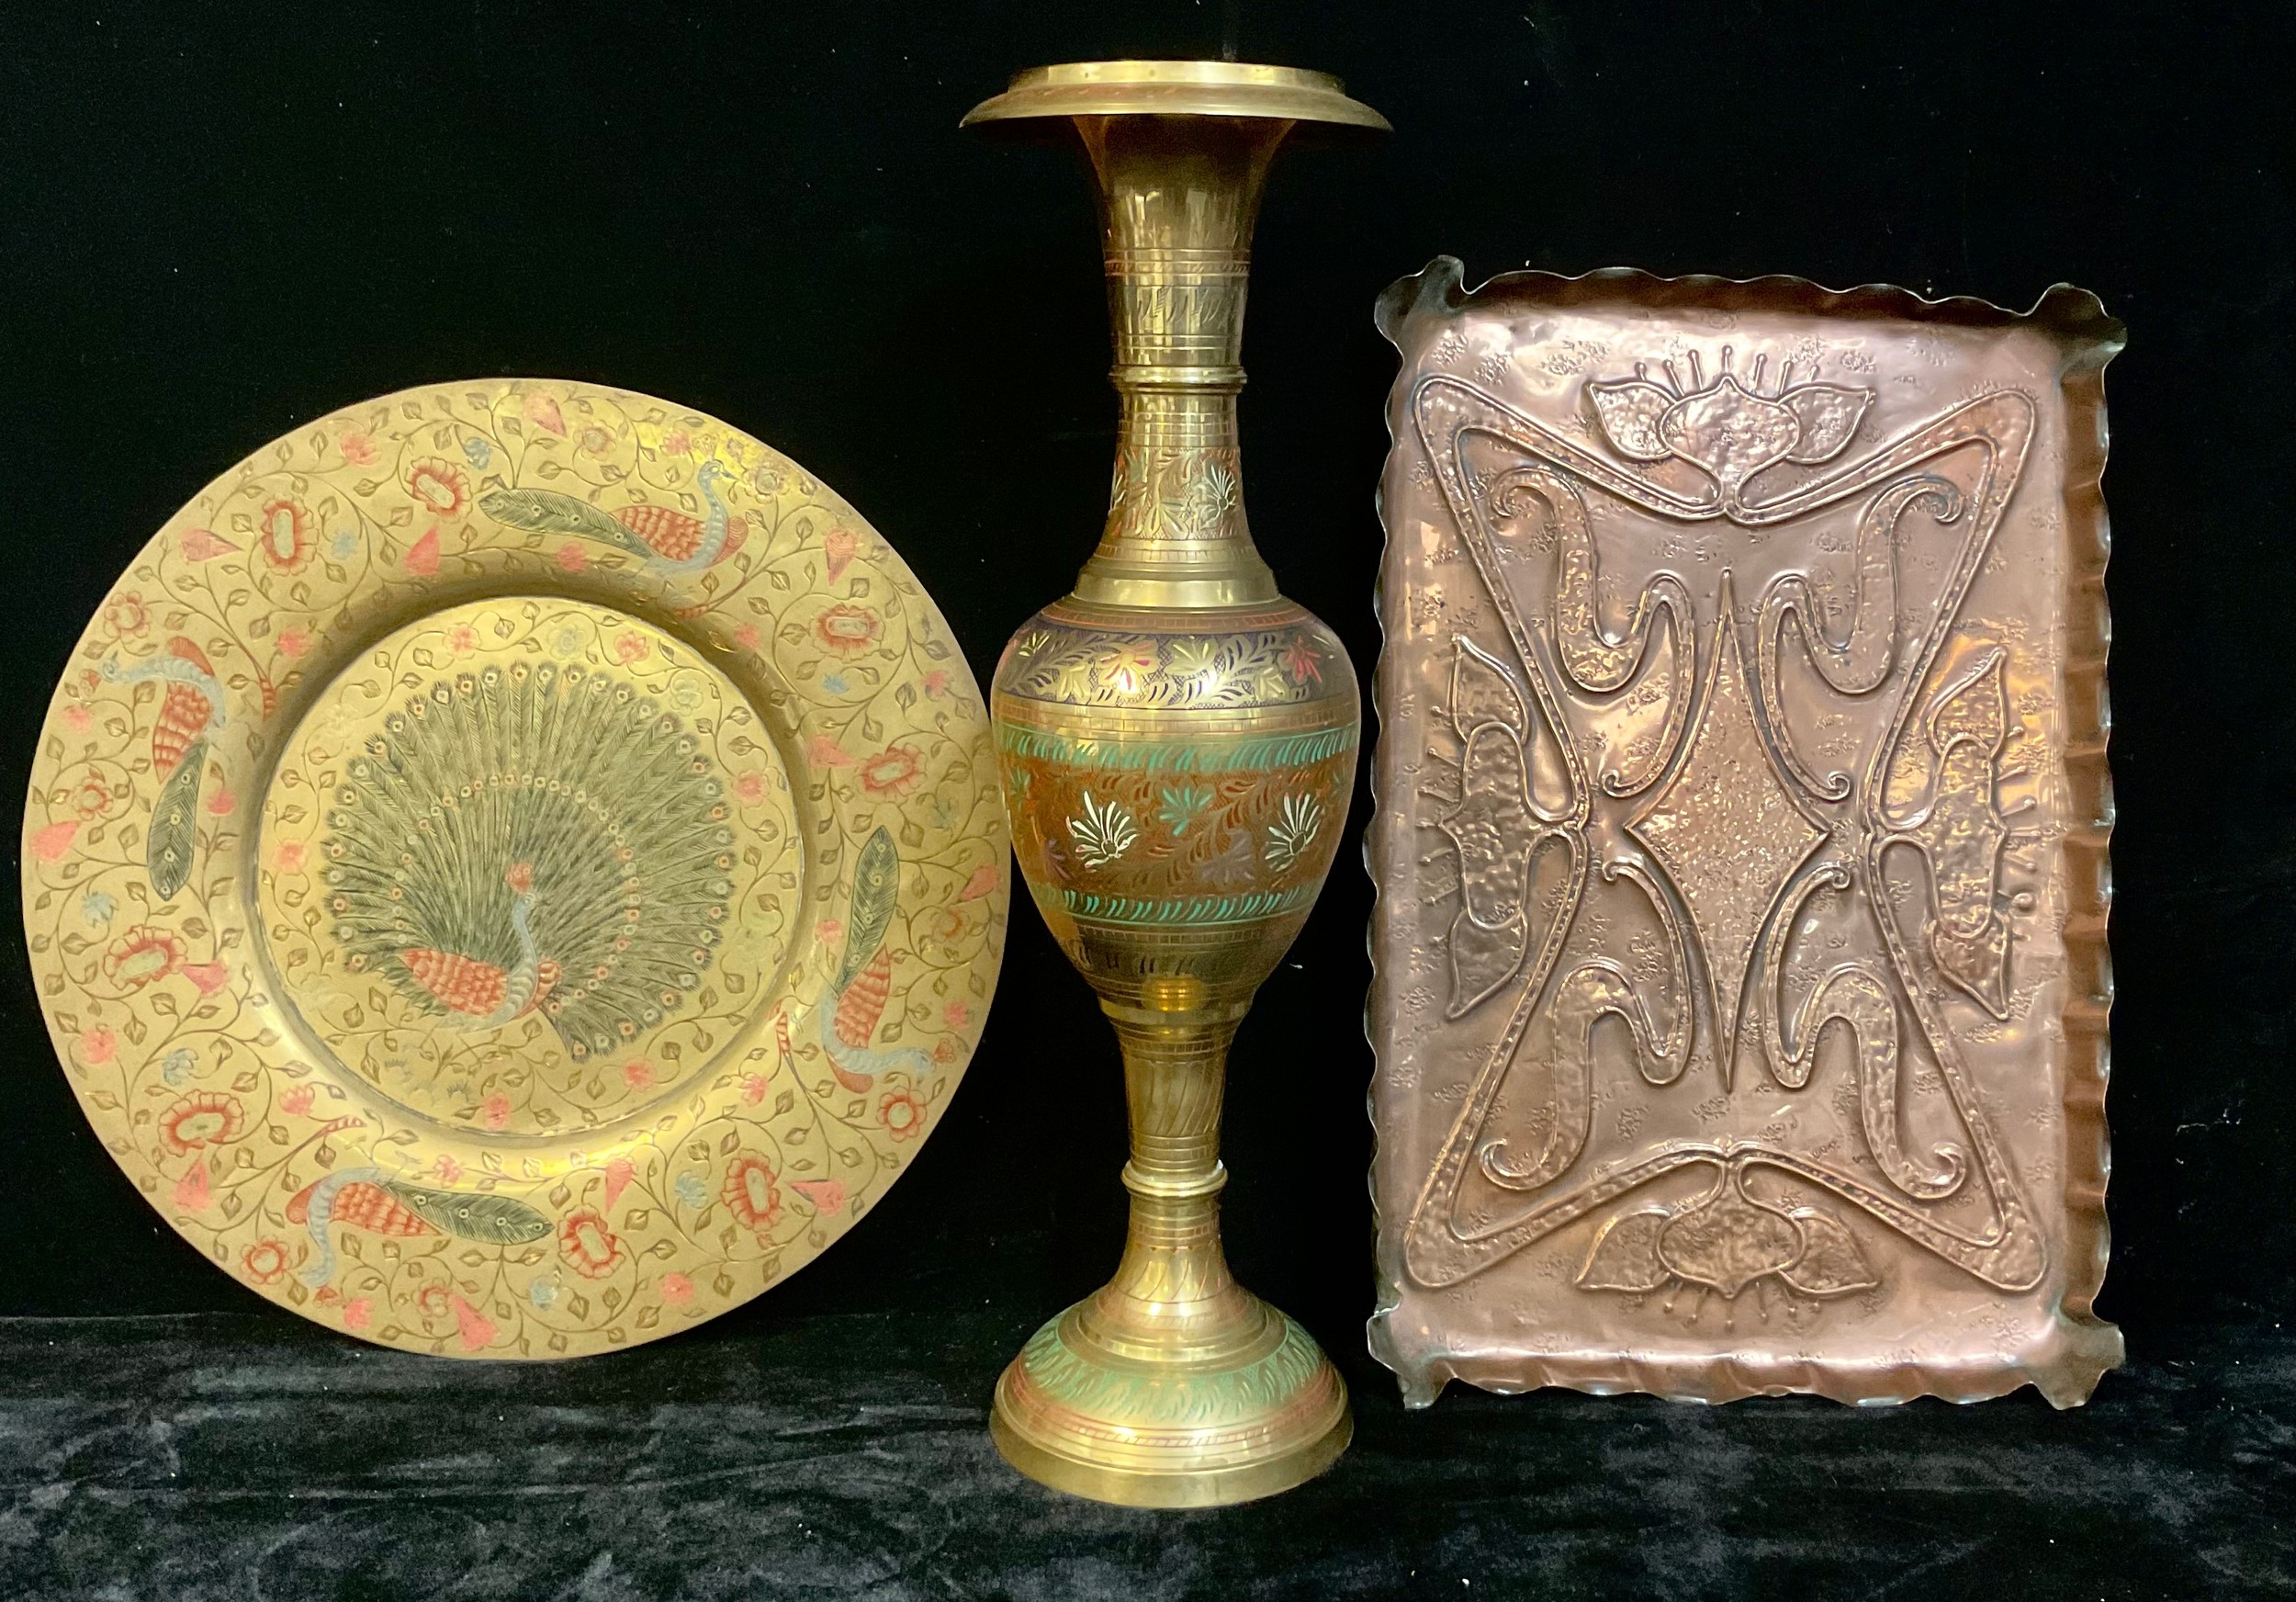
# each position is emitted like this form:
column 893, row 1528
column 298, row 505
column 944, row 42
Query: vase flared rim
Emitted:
column 1177, row 88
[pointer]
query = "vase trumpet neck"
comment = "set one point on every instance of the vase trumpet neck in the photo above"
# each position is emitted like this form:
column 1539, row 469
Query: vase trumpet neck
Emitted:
column 1178, row 197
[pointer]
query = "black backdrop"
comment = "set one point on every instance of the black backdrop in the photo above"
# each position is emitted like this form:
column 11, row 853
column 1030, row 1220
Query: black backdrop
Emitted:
column 215, row 226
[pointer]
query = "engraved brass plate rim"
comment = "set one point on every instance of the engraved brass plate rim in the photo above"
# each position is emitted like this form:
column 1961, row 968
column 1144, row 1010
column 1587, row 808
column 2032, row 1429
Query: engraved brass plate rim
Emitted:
column 514, row 869
column 1177, row 88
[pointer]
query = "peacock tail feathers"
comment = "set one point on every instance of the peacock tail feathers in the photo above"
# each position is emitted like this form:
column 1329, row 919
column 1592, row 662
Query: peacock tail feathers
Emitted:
column 188, row 711
column 549, row 512
column 876, row 887
column 601, row 795
column 495, row 1220
column 174, row 839
column 659, row 532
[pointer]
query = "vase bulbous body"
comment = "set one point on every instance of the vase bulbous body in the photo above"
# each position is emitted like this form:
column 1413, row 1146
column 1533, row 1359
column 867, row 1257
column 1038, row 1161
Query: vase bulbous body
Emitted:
column 1177, row 746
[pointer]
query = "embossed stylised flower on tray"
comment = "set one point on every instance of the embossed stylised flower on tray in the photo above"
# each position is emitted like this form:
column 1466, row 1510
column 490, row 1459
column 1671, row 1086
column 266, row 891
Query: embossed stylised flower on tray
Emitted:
column 1728, row 430
column 1726, row 1242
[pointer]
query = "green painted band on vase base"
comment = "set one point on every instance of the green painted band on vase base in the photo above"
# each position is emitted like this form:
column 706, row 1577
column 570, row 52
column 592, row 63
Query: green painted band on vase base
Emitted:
column 1169, row 1434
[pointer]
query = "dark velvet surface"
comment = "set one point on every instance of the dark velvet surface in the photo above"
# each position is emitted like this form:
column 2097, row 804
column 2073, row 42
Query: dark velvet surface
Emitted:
column 238, row 1457
column 220, row 223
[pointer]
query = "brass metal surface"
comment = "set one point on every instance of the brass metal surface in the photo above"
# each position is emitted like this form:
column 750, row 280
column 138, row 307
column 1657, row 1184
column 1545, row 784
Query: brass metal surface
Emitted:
column 1177, row 745
column 513, row 869
column 1741, row 984
column 1137, row 88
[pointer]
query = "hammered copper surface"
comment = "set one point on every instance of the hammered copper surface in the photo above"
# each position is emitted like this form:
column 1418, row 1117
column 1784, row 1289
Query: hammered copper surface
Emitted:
column 1742, row 986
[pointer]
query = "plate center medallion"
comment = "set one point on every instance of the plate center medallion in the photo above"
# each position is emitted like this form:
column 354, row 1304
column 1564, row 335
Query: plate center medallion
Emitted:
column 526, row 866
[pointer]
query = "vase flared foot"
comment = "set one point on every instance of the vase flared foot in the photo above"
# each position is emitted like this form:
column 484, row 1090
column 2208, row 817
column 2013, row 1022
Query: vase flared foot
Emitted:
column 1171, row 1431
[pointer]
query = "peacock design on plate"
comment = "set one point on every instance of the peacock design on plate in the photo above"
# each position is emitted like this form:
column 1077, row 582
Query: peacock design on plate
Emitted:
column 532, row 837
column 391, row 1204
column 191, row 710
column 865, row 976
column 665, row 539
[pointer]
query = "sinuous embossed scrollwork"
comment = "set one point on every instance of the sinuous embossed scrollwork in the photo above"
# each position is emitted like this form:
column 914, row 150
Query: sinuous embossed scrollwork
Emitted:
column 1670, row 1051
column 1740, row 989
column 1859, row 662
column 1856, row 998
column 1593, row 656
column 1735, row 832
column 1586, row 995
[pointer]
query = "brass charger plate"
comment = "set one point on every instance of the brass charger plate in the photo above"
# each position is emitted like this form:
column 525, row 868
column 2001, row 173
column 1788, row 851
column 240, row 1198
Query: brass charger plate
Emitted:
column 515, row 869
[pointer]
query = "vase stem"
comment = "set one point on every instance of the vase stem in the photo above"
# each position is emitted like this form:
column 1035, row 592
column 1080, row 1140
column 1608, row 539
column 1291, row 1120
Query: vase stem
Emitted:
column 1173, row 1295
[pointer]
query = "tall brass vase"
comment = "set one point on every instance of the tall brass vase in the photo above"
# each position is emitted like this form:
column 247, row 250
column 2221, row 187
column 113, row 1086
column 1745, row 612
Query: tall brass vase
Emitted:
column 1177, row 745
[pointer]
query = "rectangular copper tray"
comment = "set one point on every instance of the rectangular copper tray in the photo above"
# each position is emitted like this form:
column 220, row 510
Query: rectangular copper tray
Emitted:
column 1741, row 985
